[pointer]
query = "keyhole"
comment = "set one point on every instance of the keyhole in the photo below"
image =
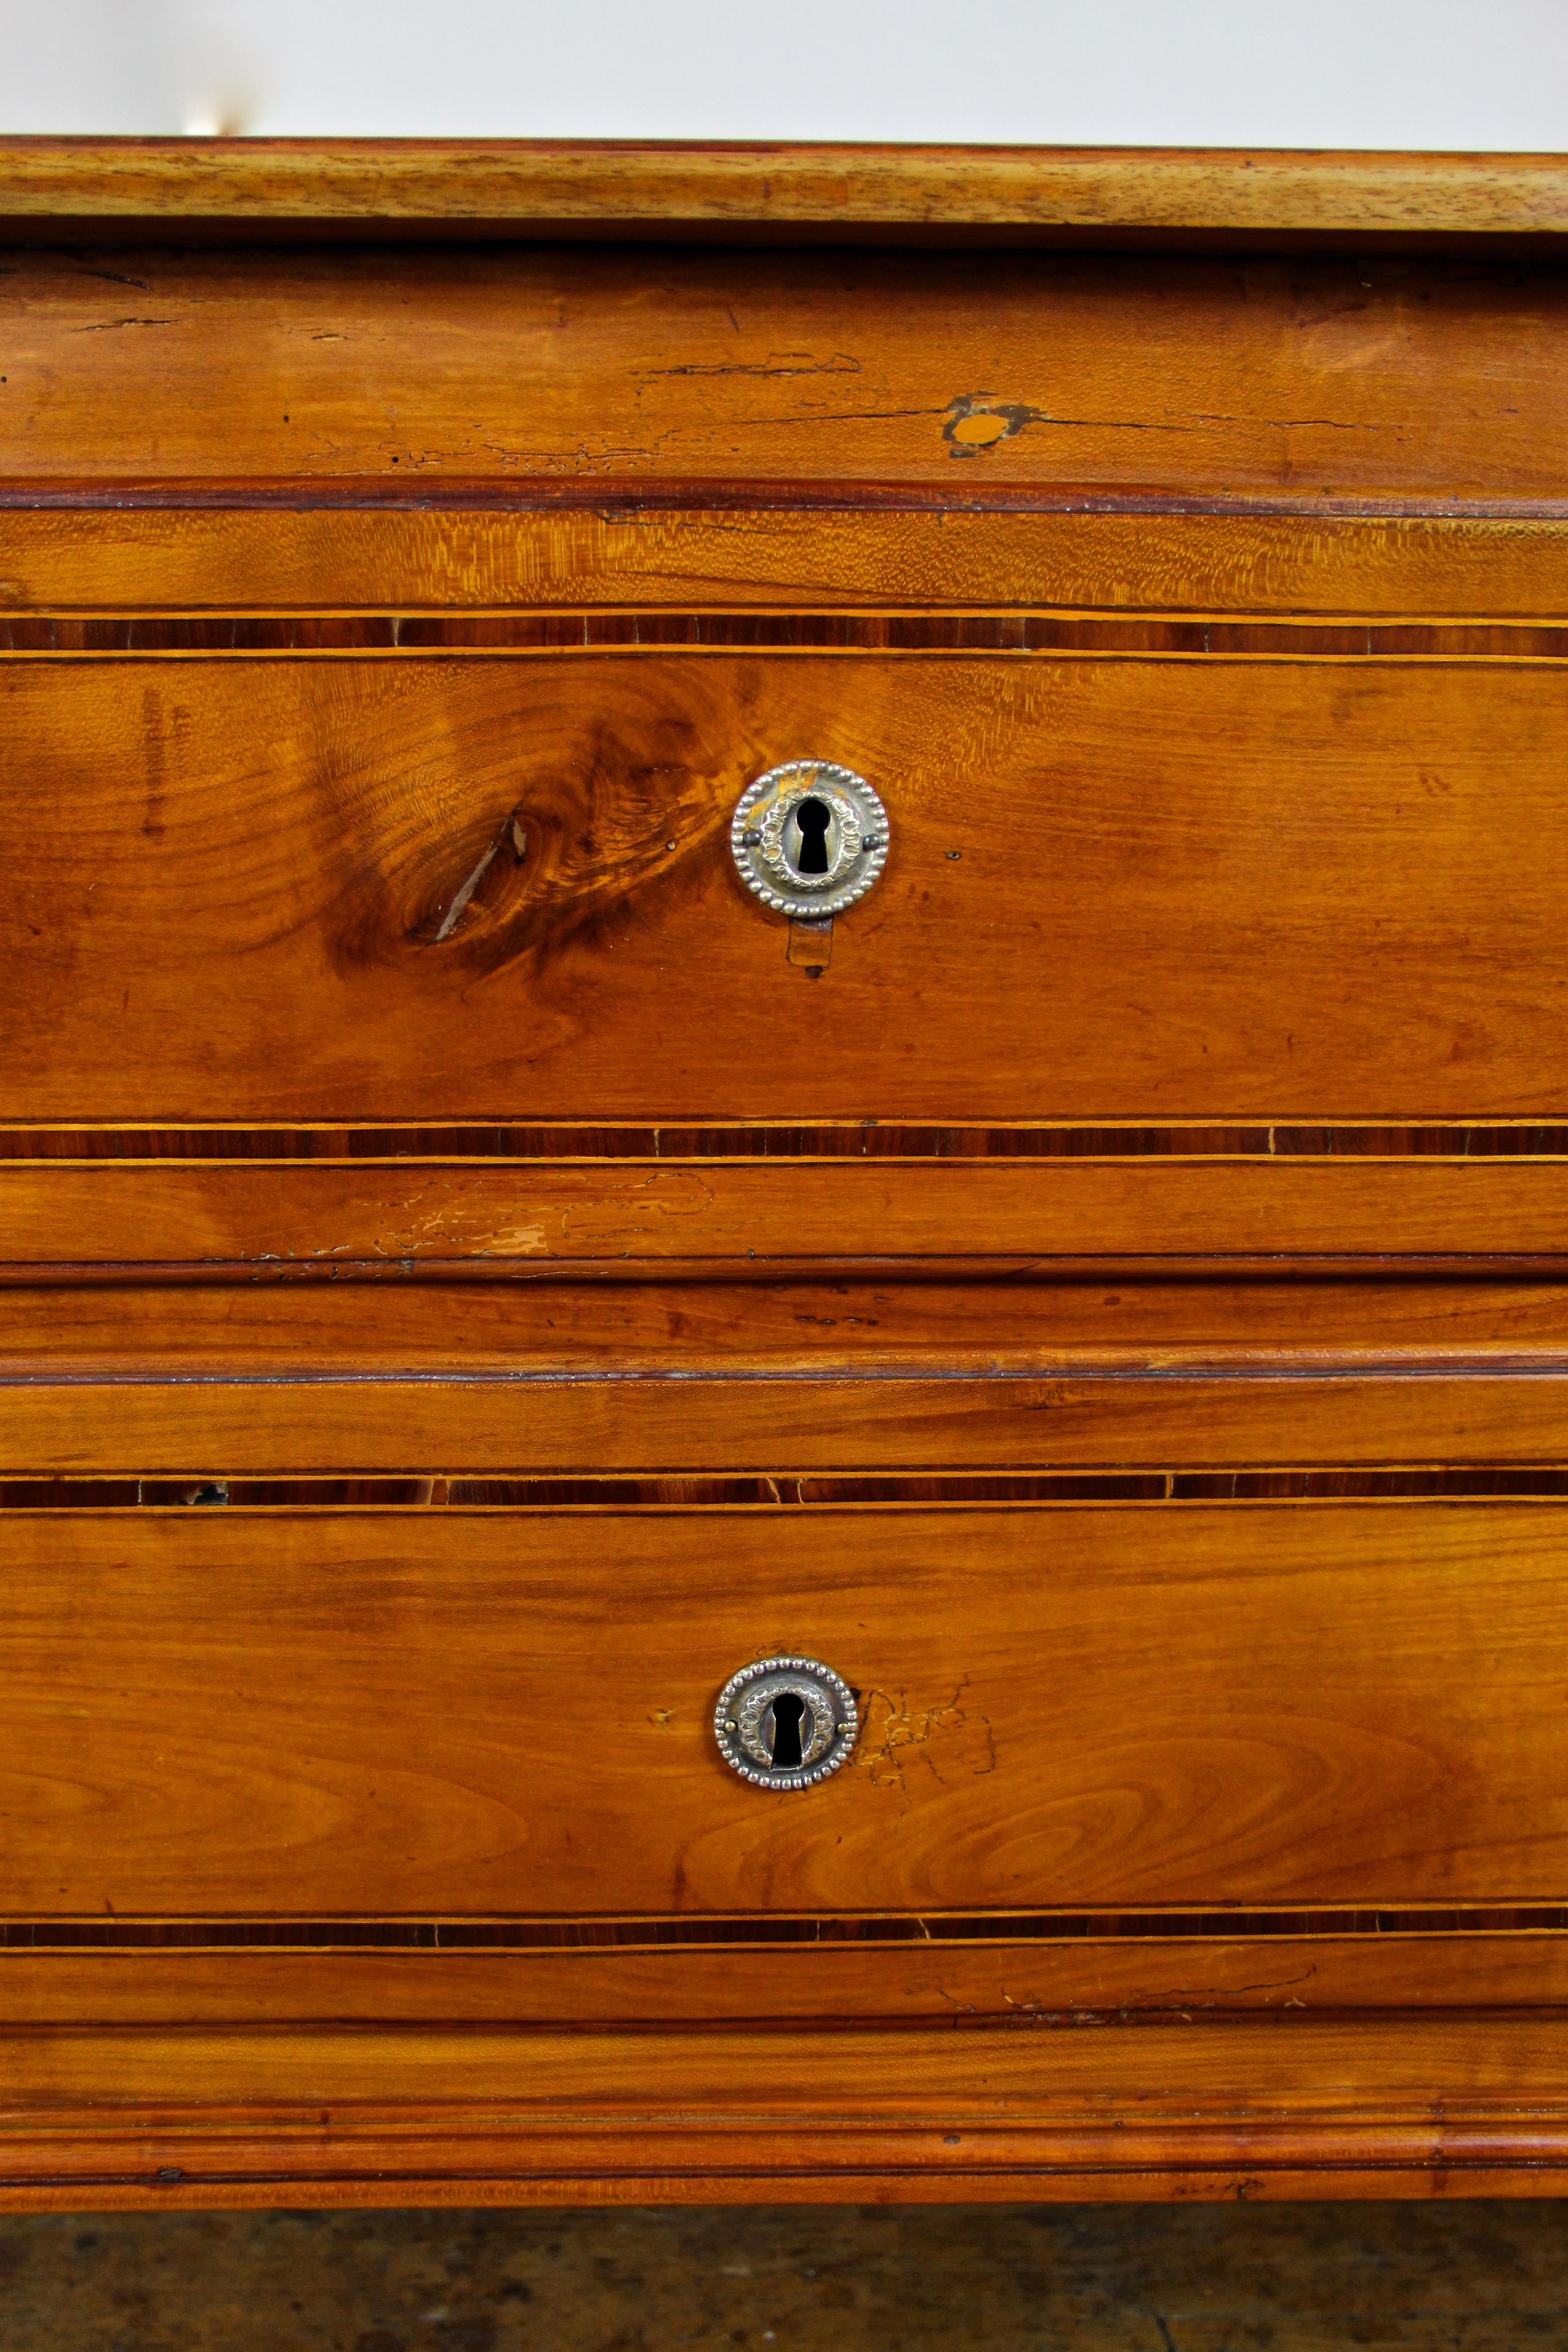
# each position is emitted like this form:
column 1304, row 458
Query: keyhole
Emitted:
column 787, row 1711
column 813, row 817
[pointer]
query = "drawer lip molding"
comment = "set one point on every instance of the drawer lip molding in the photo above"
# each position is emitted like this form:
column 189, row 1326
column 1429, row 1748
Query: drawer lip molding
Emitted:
column 1248, row 2108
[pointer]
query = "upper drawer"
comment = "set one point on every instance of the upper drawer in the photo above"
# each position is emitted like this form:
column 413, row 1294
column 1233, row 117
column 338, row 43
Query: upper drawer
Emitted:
column 326, row 1713
column 419, row 888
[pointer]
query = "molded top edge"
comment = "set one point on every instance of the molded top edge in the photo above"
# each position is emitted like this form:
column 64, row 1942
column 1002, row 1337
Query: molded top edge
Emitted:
column 609, row 187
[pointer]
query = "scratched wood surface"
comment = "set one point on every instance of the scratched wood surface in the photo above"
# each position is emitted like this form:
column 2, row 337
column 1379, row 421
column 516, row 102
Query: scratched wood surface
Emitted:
column 1117, row 888
column 605, row 370
column 537, row 186
column 339, row 1713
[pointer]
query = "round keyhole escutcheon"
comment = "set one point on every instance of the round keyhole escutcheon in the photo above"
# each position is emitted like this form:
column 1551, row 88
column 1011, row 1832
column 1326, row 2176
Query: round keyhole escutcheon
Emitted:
column 809, row 838
column 785, row 1723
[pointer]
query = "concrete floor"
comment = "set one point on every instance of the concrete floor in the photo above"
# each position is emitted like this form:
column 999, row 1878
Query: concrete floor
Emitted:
column 1281, row 2278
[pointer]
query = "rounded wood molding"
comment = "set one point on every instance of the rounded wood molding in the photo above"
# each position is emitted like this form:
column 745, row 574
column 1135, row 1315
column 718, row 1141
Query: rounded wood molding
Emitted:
column 812, row 189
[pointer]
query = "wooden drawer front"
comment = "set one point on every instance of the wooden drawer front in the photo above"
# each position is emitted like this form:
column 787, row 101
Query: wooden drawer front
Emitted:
column 324, row 1714
column 1119, row 888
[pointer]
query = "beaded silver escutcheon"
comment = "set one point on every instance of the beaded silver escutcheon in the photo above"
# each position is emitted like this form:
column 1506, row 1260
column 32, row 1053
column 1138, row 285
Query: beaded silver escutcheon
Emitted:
column 809, row 838
column 786, row 1722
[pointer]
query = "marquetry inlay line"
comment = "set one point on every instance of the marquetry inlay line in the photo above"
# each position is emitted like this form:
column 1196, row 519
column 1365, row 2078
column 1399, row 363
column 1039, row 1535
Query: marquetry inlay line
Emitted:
column 675, row 1934
column 786, row 1490
column 1062, row 635
column 514, row 1141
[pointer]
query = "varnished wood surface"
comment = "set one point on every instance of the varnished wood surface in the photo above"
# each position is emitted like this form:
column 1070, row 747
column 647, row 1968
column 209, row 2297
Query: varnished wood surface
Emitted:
column 214, row 1711
column 440, row 554
column 138, row 1215
column 1041, row 1984
column 838, row 189
column 573, row 1426
column 962, row 1326
column 1246, row 2107
column 1117, row 889
column 588, row 373
column 278, row 1378
column 1202, row 620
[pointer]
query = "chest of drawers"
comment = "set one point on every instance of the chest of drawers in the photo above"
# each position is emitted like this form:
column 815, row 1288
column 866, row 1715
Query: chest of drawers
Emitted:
column 1011, row 1285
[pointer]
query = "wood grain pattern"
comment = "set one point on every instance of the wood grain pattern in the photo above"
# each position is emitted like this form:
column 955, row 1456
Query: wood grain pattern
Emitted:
column 214, row 1711
column 967, row 377
column 281, row 1377
column 1245, row 2107
column 574, row 1295
column 834, row 1215
column 278, row 1378
column 1045, row 1984
column 961, row 1325
column 332, row 555
column 1131, row 889
column 838, row 188
column 573, row 1426
column 1312, row 2069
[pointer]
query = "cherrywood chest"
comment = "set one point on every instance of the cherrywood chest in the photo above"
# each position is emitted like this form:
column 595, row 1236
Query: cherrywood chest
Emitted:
column 783, row 1241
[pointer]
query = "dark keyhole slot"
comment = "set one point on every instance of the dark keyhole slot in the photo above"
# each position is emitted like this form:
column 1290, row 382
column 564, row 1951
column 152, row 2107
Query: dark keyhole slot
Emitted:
column 787, row 1711
column 813, row 817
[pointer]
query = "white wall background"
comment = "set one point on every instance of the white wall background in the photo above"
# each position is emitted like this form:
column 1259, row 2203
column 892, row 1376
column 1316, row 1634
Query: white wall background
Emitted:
column 1384, row 73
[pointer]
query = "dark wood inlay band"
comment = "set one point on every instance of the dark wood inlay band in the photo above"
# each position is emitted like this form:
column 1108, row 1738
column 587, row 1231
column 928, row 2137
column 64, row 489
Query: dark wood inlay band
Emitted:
column 782, row 1489
column 391, row 634
column 869, row 1139
column 437, row 1936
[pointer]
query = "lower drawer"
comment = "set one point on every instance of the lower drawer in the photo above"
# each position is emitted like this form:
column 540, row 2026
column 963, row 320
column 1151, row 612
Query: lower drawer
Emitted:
column 324, row 1714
